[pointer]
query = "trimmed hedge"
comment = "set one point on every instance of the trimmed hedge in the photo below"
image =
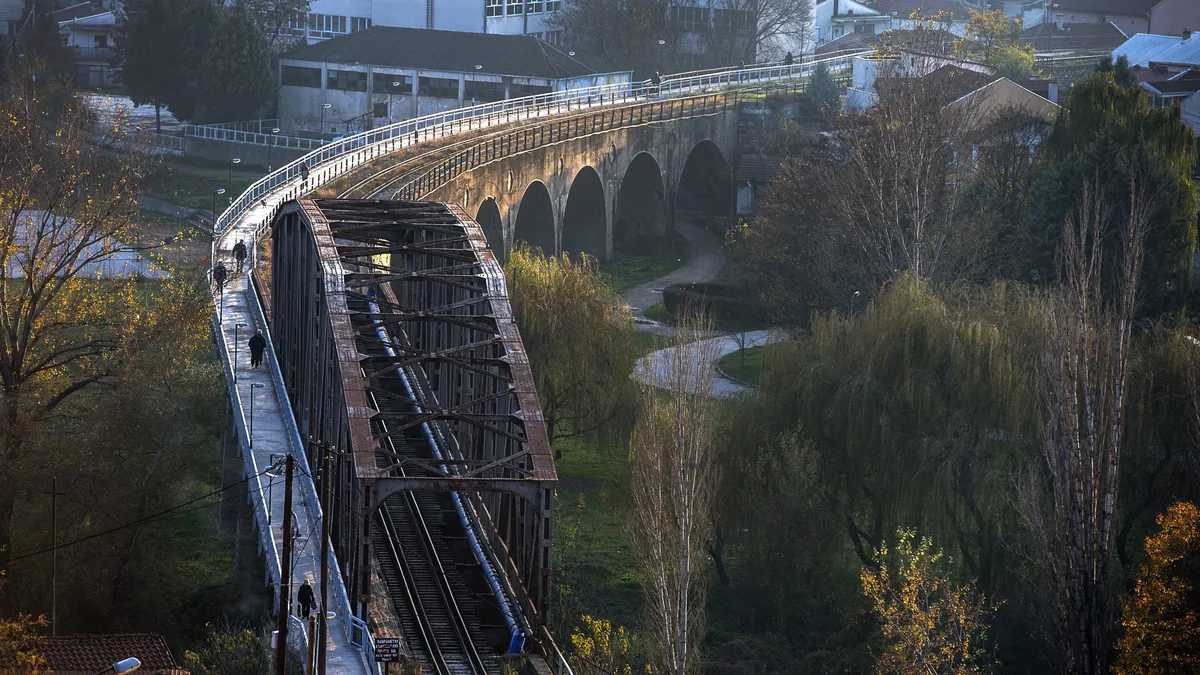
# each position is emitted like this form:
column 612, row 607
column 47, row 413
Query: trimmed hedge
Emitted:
column 723, row 300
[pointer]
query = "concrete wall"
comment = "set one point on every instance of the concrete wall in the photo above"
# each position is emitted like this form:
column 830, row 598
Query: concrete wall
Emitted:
column 609, row 154
column 1172, row 17
column 1127, row 24
column 221, row 151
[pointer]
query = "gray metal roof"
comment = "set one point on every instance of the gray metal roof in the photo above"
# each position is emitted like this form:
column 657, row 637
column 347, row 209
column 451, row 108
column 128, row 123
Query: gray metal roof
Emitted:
column 450, row 51
column 1143, row 49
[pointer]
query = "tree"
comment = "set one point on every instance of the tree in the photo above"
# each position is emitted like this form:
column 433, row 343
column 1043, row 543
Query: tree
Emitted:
column 673, row 483
column 64, row 209
column 578, row 340
column 154, row 48
column 1105, row 135
column 19, row 645
column 597, row 648
column 1086, row 366
column 1161, row 618
column 228, row 650
column 823, row 93
column 1122, row 74
column 876, row 201
column 272, row 15
column 623, row 33
column 931, row 626
column 989, row 34
column 235, row 73
column 754, row 30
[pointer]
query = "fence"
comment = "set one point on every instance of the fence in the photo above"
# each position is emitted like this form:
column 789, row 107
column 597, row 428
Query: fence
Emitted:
column 217, row 133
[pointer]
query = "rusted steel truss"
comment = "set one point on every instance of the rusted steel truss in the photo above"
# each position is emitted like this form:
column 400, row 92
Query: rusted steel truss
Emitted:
column 395, row 336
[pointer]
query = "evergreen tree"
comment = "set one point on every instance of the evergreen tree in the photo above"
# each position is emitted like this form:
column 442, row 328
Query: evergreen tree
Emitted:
column 160, row 44
column 235, row 73
column 1108, row 134
column 823, row 92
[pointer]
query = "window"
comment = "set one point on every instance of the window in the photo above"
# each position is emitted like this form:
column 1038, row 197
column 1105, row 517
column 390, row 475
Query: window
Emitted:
column 345, row 80
column 553, row 5
column 101, row 41
column 294, row 25
column 483, row 91
column 533, row 7
column 494, row 8
column 515, row 6
column 731, row 19
column 296, row 76
column 438, row 87
column 690, row 19
column 837, row 32
column 380, row 109
column 554, row 37
column 381, row 83
column 867, row 28
column 326, row 25
column 520, row 90
column 358, row 23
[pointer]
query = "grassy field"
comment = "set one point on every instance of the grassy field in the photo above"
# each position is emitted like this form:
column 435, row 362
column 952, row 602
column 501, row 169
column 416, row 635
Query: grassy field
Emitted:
column 631, row 268
column 747, row 369
column 193, row 190
column 189, row 248
column 658, row 313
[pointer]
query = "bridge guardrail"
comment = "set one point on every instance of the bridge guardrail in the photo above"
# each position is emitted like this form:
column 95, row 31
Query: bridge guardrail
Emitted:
column 353, row 151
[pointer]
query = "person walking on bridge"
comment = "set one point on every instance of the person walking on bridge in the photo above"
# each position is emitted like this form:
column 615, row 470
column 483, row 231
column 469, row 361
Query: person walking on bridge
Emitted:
column 306, row 598
column 239, row 254
column 258, row 344
column 788, row 60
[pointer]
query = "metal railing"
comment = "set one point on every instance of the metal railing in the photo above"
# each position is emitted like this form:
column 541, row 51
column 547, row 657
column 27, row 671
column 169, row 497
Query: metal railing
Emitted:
column 336, row 159
column 214, row 133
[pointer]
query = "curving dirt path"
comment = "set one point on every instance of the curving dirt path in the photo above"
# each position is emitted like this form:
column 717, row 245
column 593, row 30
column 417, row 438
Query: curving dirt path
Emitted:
column 706, row 261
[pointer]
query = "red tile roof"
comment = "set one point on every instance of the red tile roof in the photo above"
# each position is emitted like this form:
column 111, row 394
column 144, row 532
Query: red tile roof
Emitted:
column 93, row 653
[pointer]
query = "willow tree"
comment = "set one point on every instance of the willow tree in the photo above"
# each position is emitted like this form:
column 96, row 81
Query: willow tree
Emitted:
column 578, row 338
column 64, row 208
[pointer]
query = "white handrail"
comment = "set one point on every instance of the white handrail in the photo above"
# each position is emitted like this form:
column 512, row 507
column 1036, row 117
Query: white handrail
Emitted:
column 362, row 147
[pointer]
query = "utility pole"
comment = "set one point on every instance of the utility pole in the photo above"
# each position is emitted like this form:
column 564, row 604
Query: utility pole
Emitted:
column 285, row 573
column 326, row 503
column 53, row 556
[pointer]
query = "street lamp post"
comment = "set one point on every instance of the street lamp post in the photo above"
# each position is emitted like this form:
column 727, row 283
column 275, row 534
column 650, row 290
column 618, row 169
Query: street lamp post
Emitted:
column 218, row 191
column 274, row 130
column 324, row 107
column 478, row 67
column 395, row 86
column 236, row 326
column 256, row 385
column 232, row 161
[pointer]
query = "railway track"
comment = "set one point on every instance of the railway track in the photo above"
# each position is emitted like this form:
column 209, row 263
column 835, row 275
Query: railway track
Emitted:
column 438, row 611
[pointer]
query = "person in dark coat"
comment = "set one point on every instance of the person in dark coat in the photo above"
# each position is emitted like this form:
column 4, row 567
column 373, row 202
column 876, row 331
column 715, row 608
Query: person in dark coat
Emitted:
column 788, row 60
column 305, row 596
column 220, row 275
column 239, row 254
column 258, row 344
column 304, row 172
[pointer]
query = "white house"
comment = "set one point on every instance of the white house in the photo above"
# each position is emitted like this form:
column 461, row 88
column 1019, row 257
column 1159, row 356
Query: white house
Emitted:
column 330, row 18
column 88, row 29
column 387, row 74
column 905, row 14
column 834, row 18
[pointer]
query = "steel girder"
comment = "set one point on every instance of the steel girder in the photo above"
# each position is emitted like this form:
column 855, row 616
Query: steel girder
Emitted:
column 343, row 271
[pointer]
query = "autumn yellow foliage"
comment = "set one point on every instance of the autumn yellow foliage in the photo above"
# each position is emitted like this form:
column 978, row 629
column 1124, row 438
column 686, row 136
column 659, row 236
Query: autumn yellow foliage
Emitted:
column 931, row 626
column 1161, row 621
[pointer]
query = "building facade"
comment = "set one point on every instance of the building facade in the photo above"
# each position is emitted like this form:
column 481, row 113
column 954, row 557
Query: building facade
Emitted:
column 331, row 18
column 386, row 74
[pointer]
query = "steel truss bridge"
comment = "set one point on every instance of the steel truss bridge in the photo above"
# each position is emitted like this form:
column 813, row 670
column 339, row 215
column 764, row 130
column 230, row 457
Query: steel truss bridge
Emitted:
column 396, row 361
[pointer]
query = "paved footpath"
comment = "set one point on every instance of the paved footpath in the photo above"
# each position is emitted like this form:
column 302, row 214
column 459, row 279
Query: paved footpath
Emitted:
column 653, row 367
column 705, row 262
column 269, row 436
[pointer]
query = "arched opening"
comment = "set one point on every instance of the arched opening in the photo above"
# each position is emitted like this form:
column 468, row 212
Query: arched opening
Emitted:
column 489, row 220
column 535, row 219
column 706, row 184
column 641, row 202
column 583, row 228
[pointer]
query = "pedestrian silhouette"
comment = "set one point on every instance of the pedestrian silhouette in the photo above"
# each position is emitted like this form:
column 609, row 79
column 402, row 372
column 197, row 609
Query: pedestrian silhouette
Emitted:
column 258, row 344
column 305, row 596
column 304, row 172
column 787, row 60
column 239, row 254
column 219, row 275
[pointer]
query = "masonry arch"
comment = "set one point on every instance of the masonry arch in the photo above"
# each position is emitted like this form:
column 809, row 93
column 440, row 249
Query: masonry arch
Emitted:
column 641, row 211
column 535, row 219
column 492, row 225
column 584, row 225
column 706, row 183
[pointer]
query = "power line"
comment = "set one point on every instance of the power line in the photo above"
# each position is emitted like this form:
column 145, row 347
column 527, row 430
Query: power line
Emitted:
column 139, row 521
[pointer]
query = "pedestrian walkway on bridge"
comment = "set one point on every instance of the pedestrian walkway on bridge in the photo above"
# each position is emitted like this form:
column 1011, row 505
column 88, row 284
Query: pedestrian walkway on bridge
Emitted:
column 270, row 438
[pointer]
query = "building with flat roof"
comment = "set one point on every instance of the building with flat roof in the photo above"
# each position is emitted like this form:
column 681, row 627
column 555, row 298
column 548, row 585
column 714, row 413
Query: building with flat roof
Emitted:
column 386, row 74
column 326, row 19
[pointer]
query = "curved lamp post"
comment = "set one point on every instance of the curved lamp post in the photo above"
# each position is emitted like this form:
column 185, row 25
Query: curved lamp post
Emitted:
column 273, row 139
column 236, row 326
column 218, row 191
column 256, row 385
column 232, row 161
column 324, row 107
